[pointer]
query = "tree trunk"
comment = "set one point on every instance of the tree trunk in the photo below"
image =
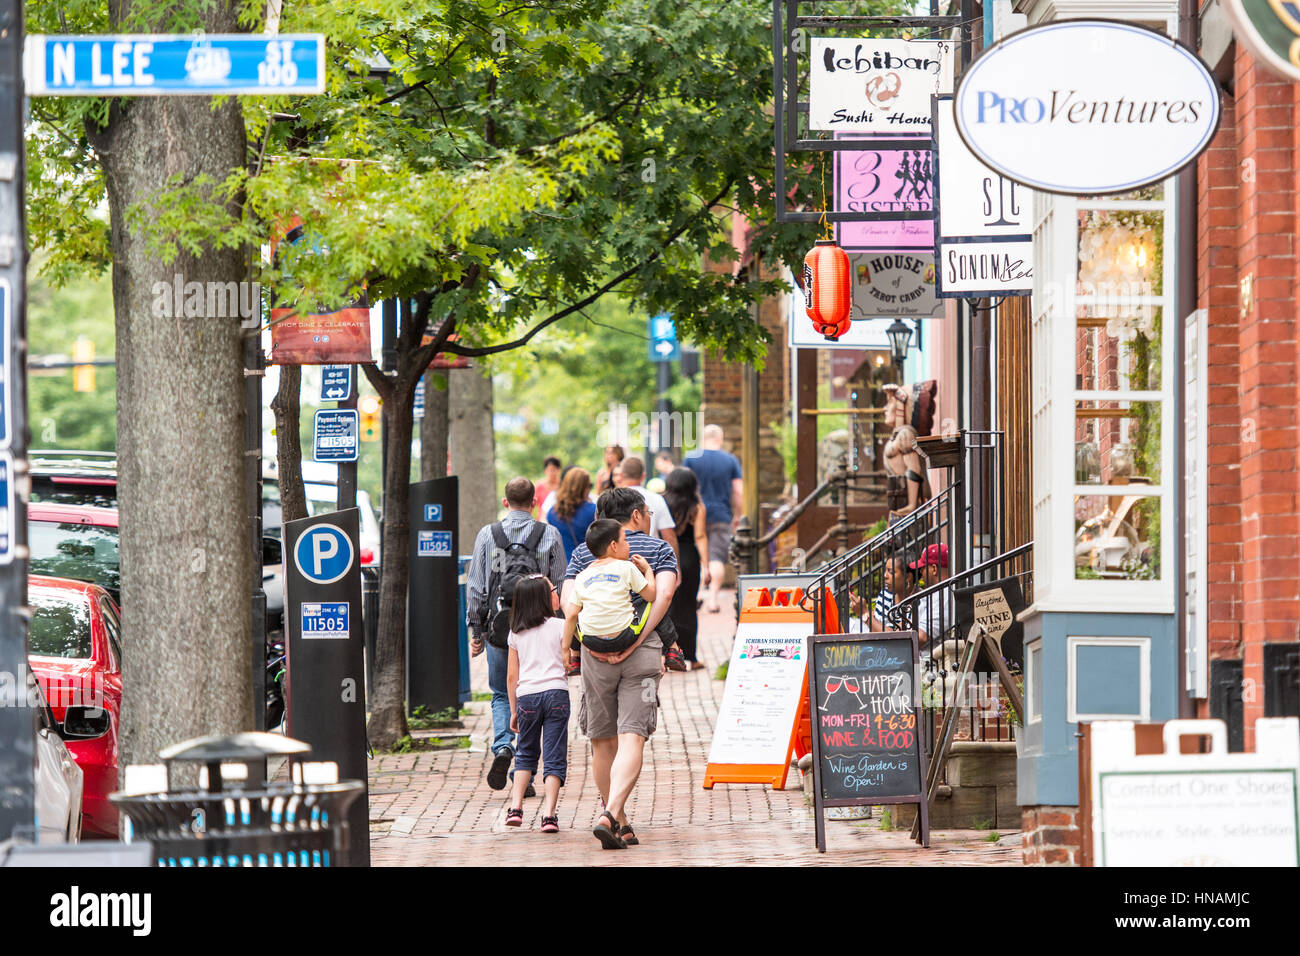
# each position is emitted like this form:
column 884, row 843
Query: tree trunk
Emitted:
column 287, row 406
column 185, row 562
column 388, row 709
column 433, row 429
column 473, row 450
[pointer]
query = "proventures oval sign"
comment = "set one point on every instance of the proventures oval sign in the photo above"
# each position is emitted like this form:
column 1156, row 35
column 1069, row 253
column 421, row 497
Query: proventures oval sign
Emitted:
column 1087, row 107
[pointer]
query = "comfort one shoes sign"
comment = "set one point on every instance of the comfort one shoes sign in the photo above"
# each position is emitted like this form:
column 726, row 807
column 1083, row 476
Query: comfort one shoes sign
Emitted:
column 1087, row 107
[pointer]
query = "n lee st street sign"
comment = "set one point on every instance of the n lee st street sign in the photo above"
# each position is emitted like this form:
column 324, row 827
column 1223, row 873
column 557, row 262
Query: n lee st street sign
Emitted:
column 663, row 339
column 181, row 65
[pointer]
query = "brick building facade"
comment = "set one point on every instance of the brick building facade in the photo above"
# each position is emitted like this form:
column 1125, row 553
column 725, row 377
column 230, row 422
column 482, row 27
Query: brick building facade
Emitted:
column 1248, row 219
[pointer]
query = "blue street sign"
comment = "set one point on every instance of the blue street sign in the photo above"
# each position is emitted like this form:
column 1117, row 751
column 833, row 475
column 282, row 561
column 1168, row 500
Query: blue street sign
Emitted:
column 663, row 339
column 433, row 544
column 334, row 437
column 433, row 513
column 180, row 65
column 335, row 383
column 328, row 619
column 323, row 554
column 6, row 508
column 418, row 409
column 6, row 373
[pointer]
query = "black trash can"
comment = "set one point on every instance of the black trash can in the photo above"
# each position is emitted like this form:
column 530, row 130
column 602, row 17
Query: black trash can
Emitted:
column 370, row 621
column 249, row 822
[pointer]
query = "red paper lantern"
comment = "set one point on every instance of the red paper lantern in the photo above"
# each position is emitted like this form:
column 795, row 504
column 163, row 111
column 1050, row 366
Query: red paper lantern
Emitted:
column 828, row 288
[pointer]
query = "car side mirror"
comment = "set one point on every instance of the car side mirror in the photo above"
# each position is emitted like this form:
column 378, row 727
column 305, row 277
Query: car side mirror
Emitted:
column 84, row 723
column 272, row 550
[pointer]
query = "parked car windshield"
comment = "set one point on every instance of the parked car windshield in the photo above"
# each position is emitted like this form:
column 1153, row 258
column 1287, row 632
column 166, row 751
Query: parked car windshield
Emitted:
column 79, row 551
column 60, row 626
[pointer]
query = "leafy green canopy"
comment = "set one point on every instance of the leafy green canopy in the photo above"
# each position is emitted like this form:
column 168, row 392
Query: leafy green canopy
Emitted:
column 522, row 158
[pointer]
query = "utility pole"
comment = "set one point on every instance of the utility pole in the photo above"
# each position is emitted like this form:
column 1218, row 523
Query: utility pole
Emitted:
column 17, row 719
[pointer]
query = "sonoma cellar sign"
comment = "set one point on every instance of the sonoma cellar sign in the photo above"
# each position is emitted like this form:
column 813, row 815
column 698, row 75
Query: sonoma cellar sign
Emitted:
column 1087, row 107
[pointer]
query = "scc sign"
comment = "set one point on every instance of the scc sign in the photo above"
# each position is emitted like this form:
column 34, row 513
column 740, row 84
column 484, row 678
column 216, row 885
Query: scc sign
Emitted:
column 1087, row 107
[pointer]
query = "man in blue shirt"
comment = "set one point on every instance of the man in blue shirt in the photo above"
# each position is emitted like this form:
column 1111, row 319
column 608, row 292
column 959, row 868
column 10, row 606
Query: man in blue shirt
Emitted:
column 721, row 490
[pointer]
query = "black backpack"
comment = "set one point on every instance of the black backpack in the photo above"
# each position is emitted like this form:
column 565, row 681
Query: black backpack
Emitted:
column 510, row 562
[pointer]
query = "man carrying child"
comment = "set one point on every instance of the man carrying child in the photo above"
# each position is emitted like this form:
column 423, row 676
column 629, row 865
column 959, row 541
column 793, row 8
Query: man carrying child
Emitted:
column 620, row 698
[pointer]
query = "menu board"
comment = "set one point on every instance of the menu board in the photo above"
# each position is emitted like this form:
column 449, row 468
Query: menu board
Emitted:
column 866, row 713
column 765, row 680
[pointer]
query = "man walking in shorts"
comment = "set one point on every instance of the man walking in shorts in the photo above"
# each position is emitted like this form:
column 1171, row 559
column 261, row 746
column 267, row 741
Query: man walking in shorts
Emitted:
column 721, row 490
column 620, row 692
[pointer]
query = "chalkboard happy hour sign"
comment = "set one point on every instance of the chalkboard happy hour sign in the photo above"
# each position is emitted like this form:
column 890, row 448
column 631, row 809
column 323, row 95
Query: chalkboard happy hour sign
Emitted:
column 866, row 740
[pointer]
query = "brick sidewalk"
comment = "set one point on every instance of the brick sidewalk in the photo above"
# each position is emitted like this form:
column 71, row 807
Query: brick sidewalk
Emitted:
column 434, row 808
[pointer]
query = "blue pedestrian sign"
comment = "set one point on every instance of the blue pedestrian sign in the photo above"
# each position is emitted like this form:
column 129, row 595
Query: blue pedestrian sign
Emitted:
column 327, row 619
column 6, row 372
column 433, row 513
column 433, row 544
column 335, row 383
column 334, row 437
column 177, row 65
column 323, row 554
column 664, row 346
column 6, row 508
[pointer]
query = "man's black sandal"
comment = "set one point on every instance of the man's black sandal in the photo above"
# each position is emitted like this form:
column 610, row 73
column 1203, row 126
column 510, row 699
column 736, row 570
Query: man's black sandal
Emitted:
column 628, row 836
column 496, row 775
column 608, row 835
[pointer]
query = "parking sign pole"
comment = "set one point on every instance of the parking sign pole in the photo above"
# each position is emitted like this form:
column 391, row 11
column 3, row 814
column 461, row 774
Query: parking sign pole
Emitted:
column 347, row 482
column 17, row 719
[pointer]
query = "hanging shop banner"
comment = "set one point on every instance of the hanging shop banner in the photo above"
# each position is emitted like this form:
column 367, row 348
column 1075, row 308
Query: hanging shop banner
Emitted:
column 982, row 269
column 978, row 203
column 1270, row 29
column 876, row 86
column 1088, row 107
column 327, row 338
column 884, row 180
column 984, row 243
column 891, row 284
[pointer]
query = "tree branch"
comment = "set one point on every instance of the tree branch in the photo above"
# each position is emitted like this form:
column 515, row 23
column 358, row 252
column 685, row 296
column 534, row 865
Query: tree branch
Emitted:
column 469, row 350
column 383, row 384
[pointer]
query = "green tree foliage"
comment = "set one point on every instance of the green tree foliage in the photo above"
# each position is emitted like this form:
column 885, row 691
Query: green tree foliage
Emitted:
column 59, row 416
column 506, row 165
column 555, row 395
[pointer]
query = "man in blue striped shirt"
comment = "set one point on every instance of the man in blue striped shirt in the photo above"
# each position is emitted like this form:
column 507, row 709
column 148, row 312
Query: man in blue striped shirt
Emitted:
column 620, row 692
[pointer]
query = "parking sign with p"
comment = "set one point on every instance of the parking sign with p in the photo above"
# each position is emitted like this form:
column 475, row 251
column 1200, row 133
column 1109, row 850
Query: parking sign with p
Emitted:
column 323, row 554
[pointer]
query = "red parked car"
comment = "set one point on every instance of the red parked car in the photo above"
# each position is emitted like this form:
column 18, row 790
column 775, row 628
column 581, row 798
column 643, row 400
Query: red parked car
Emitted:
column 76, row 655
column 75, row 541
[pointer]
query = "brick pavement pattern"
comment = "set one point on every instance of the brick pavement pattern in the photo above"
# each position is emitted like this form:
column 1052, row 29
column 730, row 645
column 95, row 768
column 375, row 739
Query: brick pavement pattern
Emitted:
column 434, row 808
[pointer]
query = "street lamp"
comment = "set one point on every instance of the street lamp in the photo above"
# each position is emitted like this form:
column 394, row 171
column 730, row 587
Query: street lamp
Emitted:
column 900, row 334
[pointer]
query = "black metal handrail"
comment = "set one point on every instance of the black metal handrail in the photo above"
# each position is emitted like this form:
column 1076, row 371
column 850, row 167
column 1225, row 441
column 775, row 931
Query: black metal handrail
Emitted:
column 932, row 612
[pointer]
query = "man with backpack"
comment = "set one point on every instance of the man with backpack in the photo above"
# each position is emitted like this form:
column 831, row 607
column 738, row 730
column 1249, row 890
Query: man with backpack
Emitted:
column 505, row 551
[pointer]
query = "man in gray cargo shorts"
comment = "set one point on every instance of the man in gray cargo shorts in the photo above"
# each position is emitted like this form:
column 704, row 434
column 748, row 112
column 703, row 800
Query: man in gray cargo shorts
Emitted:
column 620, row 692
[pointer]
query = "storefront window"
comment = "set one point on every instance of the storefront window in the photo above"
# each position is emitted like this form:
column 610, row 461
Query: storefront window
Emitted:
column 1117, row 443
column 1117, row 537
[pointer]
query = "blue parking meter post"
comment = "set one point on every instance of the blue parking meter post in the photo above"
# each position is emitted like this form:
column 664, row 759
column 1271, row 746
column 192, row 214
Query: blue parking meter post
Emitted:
column 326, row 695
column 462, row 628
column 432, row 656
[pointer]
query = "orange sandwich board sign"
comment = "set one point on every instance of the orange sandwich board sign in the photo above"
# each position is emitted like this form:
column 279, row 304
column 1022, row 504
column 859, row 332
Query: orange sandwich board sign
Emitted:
column 764, row 717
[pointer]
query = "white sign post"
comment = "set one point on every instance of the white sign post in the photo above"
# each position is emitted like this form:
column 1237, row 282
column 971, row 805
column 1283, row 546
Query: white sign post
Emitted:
column 765, row 680
column 1215, row 809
